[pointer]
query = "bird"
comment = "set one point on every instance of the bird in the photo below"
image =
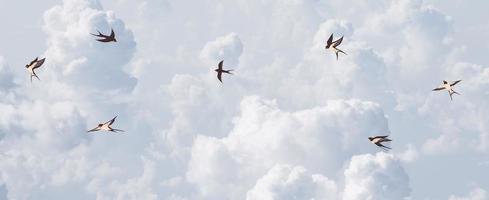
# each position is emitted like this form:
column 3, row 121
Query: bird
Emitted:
column 330, row 44
column 36, row 63
column 448, row 86
column 219, row 71
column 105, row 38
column 106, row 127
column 378, row 140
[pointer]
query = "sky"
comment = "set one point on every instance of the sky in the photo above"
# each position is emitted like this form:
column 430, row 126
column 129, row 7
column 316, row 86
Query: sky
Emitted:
column 291, row 123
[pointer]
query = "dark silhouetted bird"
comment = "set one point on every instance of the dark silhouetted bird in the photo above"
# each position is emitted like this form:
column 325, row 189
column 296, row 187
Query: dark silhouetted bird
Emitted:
column 105, row 38
column 333, row 45
column 219, row 71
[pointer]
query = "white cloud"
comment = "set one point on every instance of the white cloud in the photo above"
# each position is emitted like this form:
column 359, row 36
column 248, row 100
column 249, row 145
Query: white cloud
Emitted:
column 379, row 176
column 321, row 139
column 194, row 138
column 475, row 194
column 286, row 182
column 227, row 48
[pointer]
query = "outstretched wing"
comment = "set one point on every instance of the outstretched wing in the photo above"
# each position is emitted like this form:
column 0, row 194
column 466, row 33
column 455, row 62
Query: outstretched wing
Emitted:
column 455, row 83
column 338, row 42
column 439, row 88
column 32, row 62
column 330, row 41
column 112, row 34
column 381, row 136
column 39, row 63
column 219, row 75
column 93, row 130
column 111, row 121
column 104, row 40
column 220, row 64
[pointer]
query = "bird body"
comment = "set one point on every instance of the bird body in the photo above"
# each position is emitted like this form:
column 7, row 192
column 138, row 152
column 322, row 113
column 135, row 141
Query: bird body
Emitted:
column 449, row 87
column 332, row 45
column 106, row 38
column 220, row 71
column 106, row 127
column 36, row 63
column 378, row 140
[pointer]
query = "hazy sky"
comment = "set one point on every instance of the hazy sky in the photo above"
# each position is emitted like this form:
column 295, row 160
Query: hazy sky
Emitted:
column 291, row 123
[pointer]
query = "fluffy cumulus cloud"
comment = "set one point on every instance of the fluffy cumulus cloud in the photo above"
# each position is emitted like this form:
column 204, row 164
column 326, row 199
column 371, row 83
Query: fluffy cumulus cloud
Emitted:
column 379, row 176
column 291, row 123
column 285, row 182
column 321, row 139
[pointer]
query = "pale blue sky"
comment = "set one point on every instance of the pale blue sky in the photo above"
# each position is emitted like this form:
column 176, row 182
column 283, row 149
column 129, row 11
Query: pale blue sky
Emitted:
column 280, row 116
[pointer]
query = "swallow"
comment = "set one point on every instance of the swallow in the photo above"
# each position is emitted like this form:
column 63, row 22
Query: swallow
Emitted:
column 36, row 63
column 219, row 71
column 106, row 127
column 330, row 44
column 378, row 140
column 105, row 38
column 448, row 86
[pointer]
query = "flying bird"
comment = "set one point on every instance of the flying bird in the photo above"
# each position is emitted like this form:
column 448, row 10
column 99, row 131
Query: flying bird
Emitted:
column 106, row 127
column 219, row 71
column 333, row 44
column 105, row 38
column 448, row 86
column 36, row 63
column 378, row 140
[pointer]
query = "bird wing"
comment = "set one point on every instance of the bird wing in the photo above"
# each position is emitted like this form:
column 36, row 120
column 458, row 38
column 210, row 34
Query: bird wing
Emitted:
column 455, row 82
column 32, row 62
column 93, row 130
column 104, row 40
column 330, row 40
column 338, row 42
column 439, row 88
column 381, row 136
column 39, row 63
column 220, row 64
column 111, row 121
column 219, row 75
column 112, row 34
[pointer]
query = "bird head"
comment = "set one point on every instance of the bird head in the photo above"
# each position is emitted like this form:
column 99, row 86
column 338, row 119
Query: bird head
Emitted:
column 370, row 138
column 100, row 125
column 445, row 82
column 217, row 70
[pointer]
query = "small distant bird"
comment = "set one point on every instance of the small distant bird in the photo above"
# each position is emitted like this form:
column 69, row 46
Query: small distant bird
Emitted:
column 220, row 71
column 378, row 140
column 332, row 45
column 106, row 38
column 448, row 86
column 106, row 127
column 36, row 63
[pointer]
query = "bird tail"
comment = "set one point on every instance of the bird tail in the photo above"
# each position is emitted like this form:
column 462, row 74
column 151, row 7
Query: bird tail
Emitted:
column 34, row 75
column 339, row 50
column 451, row 93
column 385, row 147
column 117, row 130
